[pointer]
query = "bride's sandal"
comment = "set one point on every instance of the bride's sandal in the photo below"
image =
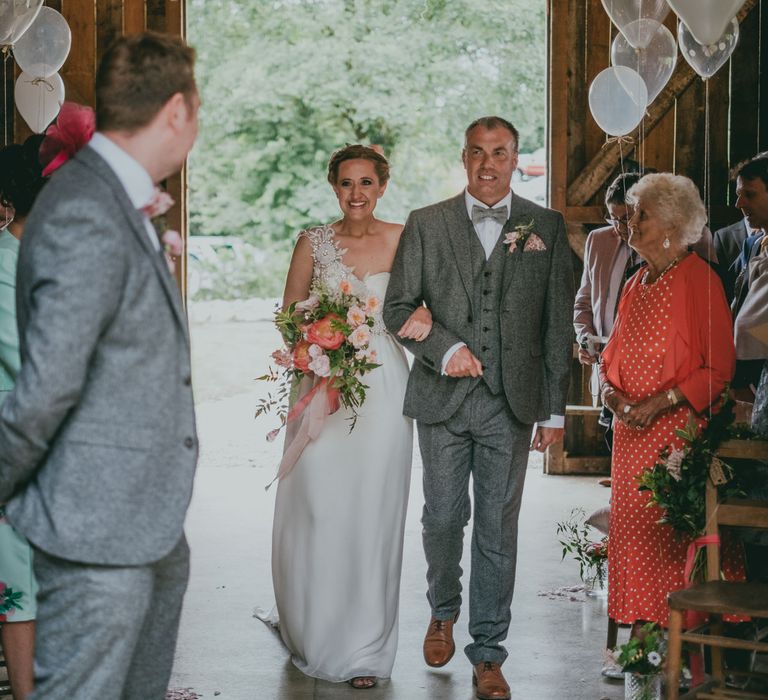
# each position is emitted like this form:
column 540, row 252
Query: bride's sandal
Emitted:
column 362, row 682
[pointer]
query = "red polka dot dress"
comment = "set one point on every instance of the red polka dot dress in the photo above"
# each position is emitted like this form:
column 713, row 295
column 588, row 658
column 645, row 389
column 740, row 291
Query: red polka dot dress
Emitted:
column 646, row 560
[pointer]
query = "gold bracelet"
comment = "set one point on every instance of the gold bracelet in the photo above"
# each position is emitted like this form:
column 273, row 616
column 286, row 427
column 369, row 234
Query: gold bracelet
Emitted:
column 671, row 397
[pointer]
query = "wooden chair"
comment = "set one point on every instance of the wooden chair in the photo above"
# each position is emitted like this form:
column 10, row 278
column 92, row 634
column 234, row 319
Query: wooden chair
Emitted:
column 5, row 686
column 717, row 598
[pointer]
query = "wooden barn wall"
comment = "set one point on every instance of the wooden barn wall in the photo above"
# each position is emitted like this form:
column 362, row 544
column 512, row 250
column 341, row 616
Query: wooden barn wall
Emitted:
column 673, row 132
column 95, row 24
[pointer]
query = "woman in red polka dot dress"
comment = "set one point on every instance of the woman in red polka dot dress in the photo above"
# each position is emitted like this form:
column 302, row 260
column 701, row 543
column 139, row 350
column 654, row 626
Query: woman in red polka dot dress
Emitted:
column 670, row 353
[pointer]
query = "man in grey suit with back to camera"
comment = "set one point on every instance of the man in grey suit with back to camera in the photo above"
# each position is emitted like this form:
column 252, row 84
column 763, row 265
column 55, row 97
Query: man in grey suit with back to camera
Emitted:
column 97, row 440
column 495, row 271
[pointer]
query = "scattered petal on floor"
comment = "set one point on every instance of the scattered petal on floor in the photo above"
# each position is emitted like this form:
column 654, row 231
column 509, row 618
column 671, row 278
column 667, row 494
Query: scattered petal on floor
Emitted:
column 181, row 694
column 575, row 594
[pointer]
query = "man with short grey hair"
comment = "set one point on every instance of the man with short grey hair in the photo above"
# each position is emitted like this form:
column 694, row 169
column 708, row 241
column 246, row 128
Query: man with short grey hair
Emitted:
column 495, row 271
column 98, row 446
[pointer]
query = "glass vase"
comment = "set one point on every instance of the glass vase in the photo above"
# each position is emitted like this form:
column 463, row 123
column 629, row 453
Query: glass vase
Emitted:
column 639, row 686
column 596, row 586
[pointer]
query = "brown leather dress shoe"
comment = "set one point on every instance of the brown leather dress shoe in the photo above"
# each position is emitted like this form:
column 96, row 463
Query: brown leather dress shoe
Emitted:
column 490, row 682
column 438, row 643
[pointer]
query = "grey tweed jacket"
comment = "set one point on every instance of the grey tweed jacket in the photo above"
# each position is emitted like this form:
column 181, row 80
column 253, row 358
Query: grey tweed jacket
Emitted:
column 433, row 265
column 97, row 439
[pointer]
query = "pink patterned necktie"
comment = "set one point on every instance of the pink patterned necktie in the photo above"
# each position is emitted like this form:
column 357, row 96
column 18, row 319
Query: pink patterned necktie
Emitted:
column 160, row 203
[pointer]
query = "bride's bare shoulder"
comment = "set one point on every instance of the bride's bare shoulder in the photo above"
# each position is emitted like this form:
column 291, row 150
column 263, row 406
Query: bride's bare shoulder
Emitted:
column 392, row 230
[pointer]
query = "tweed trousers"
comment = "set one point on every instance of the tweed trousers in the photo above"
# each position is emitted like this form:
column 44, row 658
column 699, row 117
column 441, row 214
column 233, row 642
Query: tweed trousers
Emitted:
column 483, row 440
column 107, row 632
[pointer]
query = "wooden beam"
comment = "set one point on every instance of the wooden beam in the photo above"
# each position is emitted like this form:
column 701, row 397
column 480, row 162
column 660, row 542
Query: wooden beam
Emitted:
column 594, row 175
column 134, row 16
column 109, row 25
column 79, row 70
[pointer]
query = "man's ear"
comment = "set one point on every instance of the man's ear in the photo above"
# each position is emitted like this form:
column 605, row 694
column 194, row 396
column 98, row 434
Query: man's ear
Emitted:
column 176, row 111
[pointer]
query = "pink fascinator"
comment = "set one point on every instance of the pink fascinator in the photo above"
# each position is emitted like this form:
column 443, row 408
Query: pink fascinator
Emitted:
column 72, row 129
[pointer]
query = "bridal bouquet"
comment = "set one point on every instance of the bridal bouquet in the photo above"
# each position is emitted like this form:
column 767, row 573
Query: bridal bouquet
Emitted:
column 326, row 338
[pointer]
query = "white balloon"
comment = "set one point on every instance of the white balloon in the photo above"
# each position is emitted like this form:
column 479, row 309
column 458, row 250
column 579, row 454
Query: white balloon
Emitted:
column 15, row 18
column 617, row 99
column 39, row 99
column 707, row 60
column 624, row 13
column 655, row 63
column 706, row 19
column 45, row 45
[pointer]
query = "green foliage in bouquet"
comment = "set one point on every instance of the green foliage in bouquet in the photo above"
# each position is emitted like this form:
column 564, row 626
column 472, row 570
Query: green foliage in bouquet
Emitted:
column 591, row 556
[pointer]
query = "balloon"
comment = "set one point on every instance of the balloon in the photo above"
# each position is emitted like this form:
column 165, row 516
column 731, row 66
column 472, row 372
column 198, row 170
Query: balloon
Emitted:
column 617, row 100
column 655, row 63
column 707, row 60
column 39, row 99
column 626, row 12
column 45, row 45
column 706, row 19
column 15, row 18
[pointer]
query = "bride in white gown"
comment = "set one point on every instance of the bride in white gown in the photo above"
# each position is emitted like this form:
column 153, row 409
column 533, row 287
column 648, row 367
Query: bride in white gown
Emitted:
column 337, row 542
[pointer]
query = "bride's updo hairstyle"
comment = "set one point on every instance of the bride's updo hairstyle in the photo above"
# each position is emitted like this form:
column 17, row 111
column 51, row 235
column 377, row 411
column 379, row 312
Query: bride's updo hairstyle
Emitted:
column 356, row 151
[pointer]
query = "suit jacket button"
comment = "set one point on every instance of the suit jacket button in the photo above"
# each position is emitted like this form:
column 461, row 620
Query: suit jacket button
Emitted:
column 485, row 329
column 469, row 319
column 486, row 292
column 189, row 442
column 187, row 381
column 486, row 274
column 484, row 348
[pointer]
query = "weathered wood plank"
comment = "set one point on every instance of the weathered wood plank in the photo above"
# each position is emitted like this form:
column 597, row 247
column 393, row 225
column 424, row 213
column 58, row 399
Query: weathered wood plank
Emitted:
column 134, row 16
column 109, row 26
column 79, row 70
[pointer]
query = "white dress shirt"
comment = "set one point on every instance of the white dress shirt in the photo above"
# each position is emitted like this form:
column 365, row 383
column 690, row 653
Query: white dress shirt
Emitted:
column 132, row 175
column 488, row 232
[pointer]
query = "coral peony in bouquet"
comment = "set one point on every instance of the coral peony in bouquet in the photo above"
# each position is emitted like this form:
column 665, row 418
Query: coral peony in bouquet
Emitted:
column 327, row 338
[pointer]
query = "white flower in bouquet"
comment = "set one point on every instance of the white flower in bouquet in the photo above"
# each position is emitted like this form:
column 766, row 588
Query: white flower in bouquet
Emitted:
column 372, row 305
column 361, row 336
column 356, row 316
column 654, row 658
column 321, row 365
column 308, row 304
column 674, row 463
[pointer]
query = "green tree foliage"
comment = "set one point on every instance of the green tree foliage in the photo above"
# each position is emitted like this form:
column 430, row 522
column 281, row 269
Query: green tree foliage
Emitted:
column 285, row 82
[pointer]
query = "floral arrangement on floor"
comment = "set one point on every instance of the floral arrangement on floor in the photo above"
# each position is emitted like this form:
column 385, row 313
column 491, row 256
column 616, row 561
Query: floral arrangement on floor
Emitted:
column 326, row 337
column 643, row 653
column 592, row 556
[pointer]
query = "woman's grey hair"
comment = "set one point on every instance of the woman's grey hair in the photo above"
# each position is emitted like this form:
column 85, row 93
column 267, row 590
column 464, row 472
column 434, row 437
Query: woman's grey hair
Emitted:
column 675, row 201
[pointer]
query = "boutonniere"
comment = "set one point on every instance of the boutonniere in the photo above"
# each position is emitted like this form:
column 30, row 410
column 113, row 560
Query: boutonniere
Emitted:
column 172, row 242
column 518, row 236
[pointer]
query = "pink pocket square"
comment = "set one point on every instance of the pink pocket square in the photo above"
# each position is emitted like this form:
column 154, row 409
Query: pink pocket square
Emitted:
column 533, row 243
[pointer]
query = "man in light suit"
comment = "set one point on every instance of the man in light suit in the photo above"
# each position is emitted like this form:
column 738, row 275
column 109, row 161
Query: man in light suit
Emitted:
column 97, row 440
column 495, row 271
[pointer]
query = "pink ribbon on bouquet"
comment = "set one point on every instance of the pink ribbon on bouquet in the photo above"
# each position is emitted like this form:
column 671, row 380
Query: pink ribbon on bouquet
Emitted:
column 694, row 618
column 312, row 409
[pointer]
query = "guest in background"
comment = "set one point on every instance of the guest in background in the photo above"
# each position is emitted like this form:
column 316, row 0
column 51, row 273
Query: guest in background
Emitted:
column 608, row 262
column 20, row 181
column 671, row 352
column 752, row 199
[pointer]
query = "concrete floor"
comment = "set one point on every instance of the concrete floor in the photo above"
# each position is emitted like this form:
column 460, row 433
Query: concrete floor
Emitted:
column 555, row 644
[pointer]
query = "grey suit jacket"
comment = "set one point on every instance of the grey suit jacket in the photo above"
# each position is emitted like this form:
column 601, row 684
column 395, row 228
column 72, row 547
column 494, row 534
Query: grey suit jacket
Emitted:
column 433, row 265
column 728, row 242
column 97, row 439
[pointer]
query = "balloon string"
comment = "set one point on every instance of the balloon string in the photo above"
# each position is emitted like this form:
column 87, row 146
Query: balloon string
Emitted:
column 708, row 204
column 6, row 56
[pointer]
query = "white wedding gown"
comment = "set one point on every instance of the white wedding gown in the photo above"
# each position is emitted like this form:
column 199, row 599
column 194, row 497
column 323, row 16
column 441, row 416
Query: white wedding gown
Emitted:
column 337, row 543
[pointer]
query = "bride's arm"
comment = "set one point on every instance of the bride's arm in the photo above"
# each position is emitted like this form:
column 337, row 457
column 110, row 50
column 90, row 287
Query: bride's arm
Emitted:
column 299, row 276
column 418, row 325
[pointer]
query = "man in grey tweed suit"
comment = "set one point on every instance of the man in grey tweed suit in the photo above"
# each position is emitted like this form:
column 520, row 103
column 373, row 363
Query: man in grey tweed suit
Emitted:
column 97, row 440
column 495, row 271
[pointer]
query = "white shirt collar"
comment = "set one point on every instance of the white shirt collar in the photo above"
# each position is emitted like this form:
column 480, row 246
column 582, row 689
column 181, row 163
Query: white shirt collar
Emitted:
column 472, row 201
column 132, row 175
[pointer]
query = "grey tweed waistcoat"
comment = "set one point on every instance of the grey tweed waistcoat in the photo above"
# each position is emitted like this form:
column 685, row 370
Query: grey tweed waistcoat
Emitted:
column 487, row 290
